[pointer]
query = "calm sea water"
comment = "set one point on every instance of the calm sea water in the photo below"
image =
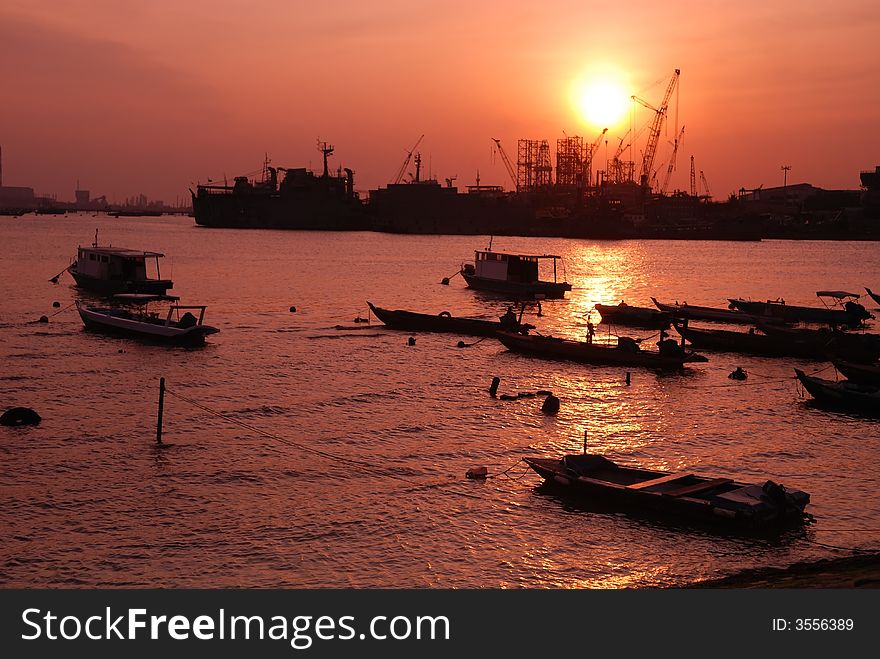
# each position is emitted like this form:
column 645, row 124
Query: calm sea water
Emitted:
column 346, row 464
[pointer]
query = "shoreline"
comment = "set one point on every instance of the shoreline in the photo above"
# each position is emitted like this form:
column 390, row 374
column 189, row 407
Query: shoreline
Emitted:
column 860, row 571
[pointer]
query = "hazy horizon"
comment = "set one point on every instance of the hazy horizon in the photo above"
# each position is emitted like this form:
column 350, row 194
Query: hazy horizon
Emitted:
column 149, row 98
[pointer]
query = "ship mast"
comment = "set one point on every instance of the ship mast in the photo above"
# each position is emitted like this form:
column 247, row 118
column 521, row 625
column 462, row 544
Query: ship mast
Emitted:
column 326, row 150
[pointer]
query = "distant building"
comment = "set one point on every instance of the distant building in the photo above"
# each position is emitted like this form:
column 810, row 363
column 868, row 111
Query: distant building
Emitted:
column 17, row 197
column 82, row 198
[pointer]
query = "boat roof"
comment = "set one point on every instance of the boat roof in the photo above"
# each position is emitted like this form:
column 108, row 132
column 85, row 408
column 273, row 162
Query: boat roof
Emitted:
column 837, row 294
column 123, row 252
column 518, row 256
column 143, row 298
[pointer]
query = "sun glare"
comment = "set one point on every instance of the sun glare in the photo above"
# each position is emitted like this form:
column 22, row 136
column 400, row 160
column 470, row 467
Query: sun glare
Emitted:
column 602, row 103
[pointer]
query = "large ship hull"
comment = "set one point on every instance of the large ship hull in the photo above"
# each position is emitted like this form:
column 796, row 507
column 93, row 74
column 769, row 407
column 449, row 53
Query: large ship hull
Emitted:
column 277, row 211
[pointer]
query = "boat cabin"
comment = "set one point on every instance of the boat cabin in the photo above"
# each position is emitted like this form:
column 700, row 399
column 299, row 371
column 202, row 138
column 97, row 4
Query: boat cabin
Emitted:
column 519, row 268
column 116, row 263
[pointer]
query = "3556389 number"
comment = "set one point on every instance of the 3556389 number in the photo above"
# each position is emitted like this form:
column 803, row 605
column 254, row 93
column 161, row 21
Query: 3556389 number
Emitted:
column 823, row 624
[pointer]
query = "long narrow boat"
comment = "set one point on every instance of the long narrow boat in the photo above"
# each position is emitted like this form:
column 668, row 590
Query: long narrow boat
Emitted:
column 131, row 318
column 858, row 346
column 712, row 314
column 873, row 295
column 846, row 394
column 626, row 353
column 681, row 493
column 859, row 373
column 751, row 342
column 852, row 312
column 626, row 314
column 443, row 322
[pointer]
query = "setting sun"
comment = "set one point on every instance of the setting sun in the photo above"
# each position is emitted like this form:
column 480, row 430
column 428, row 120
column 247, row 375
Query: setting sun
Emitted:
column 601, row 103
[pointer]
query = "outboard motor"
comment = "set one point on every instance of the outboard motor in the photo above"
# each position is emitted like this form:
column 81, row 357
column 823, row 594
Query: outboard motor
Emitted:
column 857, row 311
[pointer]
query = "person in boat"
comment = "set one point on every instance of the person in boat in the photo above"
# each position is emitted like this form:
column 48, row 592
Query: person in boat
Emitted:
column 669, row 347
column 627, row 344
column 591, row 330
column 508, row 320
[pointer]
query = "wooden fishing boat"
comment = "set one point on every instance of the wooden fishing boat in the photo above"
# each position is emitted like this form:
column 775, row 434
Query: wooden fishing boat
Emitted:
column 131, row 317
column 848, row 395
column 625, row 314
column 712, row 314
column 850, row 312
column 682, row 493
column 859, row 373
column 751, row 342
column 873, row 295
column 857, row 346
column 515, row 275
column 444, row 322
column 626, row 353
column 110, row 270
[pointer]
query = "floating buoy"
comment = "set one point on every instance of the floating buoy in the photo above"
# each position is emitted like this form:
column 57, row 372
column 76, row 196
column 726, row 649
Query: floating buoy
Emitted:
column 477, row 473
column 551, row 405
column 738, row 374
column 44, row 319
column 54, row 280
column 20, row 416
column 411, row 341
column 445, row 281
column 462, row 344
column 493, row 388
column 445, row 314
column 292, row 309
column 56, row 304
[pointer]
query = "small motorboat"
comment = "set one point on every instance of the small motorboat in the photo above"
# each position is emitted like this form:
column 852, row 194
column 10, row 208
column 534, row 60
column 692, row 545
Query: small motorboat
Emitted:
column 131, row 317
column 625, row 353
column 514, row 275
column 849, row 312
column 682, row 493
column 445, row 322
column 848, row 395
column 626, row 314
column 111, row 270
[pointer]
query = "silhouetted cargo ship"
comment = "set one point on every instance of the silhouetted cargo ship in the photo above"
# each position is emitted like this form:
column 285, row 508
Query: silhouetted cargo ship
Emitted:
column 302, row 200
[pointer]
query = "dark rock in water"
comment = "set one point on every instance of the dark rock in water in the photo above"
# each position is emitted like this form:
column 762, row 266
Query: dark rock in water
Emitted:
column 738, row 374
column 56, row 304
column 551, row 405
column 44, row 319
column 292, row 309
column 20, row 416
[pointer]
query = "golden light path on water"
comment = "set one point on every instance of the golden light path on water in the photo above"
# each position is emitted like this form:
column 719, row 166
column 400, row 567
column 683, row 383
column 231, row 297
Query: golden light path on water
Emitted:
column 385, row 502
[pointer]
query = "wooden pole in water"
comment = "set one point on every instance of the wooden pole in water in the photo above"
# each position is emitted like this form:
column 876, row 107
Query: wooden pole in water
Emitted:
column 161, row 410
column 585, row 442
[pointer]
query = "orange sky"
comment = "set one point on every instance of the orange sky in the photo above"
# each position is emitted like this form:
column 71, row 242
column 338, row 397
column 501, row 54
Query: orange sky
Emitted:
column 150, row 97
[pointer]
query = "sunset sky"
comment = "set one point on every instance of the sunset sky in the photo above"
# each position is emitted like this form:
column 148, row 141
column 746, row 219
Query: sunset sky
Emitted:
column 131, row 97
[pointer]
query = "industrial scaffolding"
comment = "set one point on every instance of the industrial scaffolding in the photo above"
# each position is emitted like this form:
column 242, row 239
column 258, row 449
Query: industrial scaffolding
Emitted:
column 570, row 161
column 533, row 165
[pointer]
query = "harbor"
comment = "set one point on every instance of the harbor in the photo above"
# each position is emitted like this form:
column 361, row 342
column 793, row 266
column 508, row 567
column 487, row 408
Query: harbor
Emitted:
column 303, row 448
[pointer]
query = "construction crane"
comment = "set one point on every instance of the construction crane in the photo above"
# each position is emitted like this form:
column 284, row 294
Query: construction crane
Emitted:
column 591, row 149
column 409, row 155
column 693, row 179
column 656, row 127
column 705, row 184
column 511, row 171
column 671, row 167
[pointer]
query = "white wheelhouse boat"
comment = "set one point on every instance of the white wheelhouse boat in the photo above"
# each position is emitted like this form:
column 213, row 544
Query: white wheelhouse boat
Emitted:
column 110, row 270
column 131, row 317
column 513, row 274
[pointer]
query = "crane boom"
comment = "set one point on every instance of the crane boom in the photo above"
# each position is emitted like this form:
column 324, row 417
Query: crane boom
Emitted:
column 510, row 169
column 656, row 126
column 671, row 167
column 693, row 179
column 400, row 172
column 705, row 184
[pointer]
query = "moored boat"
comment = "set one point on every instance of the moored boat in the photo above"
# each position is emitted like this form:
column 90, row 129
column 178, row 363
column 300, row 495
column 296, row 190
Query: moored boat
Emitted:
column 859, row 373
column 626, row 314
column 626, row 353
column 850, row 312
column 682, row 493
column 751, row 342
column 131, row 317
column 445, row 322
column 712, row 314
column 873, row 295
column 845, row 394
column 857, row 346
column 110, row 270
column 515, row 275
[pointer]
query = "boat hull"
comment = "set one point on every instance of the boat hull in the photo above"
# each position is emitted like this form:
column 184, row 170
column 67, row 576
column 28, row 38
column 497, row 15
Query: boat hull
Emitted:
column 624, row 314
column 422, row 322
column 747, row 342
column 795, row 314
column 320, row 210
column 721, row 501
column 588, row 353
column 116, row 286
column 535, row 290
column 844, row 395
column 711, row 314
column 109, row 322
column 859, row 373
